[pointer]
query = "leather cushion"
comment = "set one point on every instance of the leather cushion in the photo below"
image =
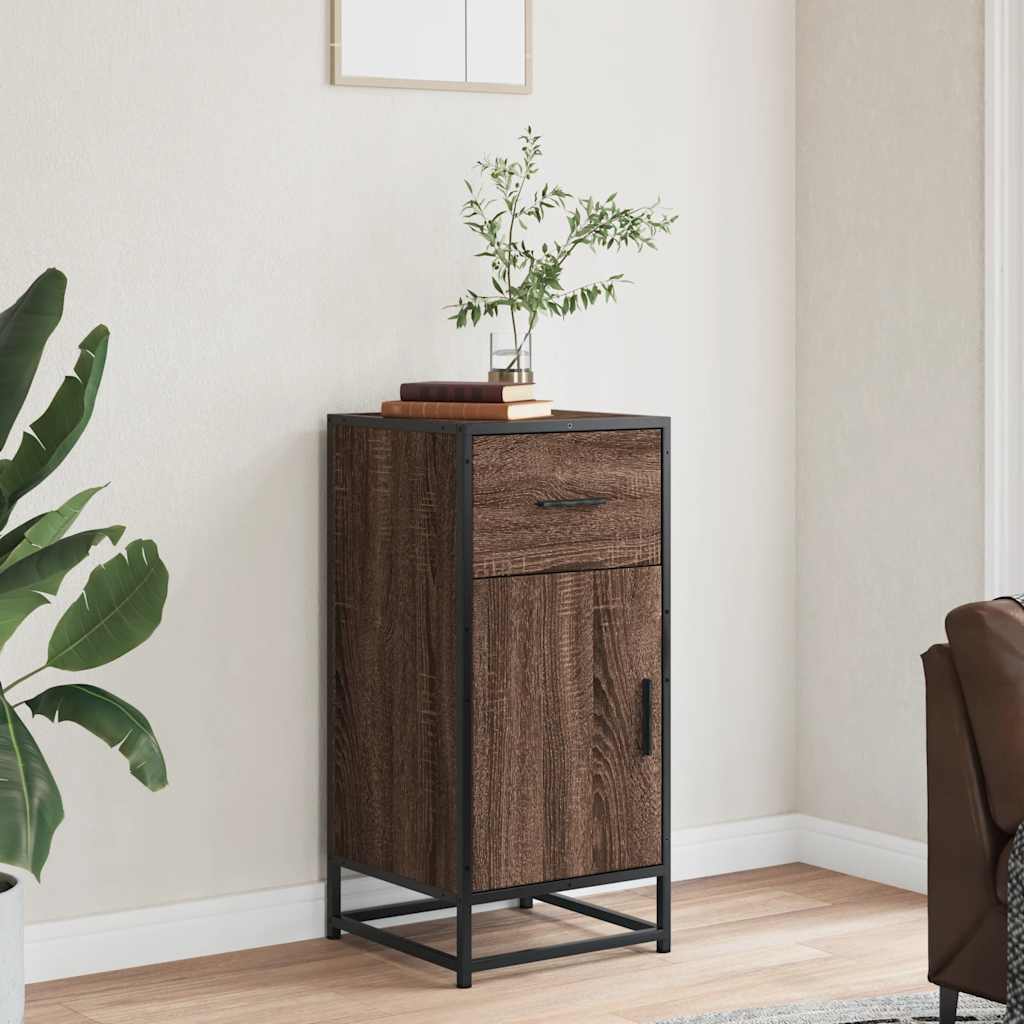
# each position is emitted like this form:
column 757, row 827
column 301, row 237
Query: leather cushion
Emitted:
column 1003, row 873
column 987, row 642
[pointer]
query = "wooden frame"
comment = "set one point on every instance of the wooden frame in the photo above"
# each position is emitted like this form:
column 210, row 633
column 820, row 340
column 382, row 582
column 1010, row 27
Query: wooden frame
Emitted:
column 338, row 76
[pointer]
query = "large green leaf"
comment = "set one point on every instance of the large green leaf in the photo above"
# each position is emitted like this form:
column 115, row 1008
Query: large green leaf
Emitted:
column 49, row 527
column 113, row 720
column 10, row 540
column 30, row 803
column 120, row 607
column 15, row 608
column 54, row 434
column 24, row 328
column 46, row 569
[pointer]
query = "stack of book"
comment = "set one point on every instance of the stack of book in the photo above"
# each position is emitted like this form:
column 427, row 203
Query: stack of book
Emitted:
column 466, row 400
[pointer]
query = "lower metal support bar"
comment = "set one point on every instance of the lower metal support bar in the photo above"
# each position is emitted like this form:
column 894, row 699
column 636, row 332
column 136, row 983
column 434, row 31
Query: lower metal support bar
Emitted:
column 563, row 885
column 464, row 965
column 601, row 913
column 399, row 942
column 529, row 956
column 399, row 909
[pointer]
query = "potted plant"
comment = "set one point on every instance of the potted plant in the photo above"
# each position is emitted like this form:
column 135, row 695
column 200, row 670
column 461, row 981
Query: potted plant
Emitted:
column 528, row 280
column 118, row 608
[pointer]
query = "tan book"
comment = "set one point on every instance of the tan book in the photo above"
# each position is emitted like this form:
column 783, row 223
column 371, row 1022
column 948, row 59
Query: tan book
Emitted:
column 467, row 410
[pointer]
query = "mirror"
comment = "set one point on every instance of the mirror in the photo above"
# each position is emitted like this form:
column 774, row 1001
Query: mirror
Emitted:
column 469, row 45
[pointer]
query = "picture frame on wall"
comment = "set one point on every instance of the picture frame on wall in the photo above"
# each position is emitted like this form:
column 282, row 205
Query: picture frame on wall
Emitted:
column 456, row 45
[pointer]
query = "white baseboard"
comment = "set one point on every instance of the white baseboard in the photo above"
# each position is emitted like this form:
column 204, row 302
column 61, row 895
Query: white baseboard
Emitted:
column 734, row 846
column 106, row 942
column 861, row 852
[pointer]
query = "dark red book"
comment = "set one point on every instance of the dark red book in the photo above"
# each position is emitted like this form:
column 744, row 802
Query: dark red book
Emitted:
column 464, row 391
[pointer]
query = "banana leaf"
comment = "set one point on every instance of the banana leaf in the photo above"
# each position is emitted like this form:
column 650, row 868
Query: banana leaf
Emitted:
column 10, row 540
column 53, row 435
column 30, row 805
column 47, row 528
column 46, row 569
column 24, row 328
column 15, row 608
column 121, row 605
column 113, row 720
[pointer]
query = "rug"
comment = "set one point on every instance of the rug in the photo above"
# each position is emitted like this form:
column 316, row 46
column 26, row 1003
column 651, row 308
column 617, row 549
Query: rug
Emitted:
column 907, row 1009
column 1015, row 931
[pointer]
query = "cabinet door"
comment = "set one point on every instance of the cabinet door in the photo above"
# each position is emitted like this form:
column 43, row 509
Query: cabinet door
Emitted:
column 562, row 786
column 626, row 787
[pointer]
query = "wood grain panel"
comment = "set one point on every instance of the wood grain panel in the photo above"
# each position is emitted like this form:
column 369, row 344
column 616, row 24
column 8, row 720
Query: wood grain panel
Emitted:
column 511, row 473
column 532, row 725
column 393, row 665
column 561, row 787
column 626, row 824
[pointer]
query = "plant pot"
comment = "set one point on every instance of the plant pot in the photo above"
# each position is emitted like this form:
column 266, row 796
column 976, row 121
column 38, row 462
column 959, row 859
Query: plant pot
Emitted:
column 12, row 951
column 511, row 358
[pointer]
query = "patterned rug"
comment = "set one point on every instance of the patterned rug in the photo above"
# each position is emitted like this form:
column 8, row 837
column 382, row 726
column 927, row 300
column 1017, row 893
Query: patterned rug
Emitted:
column 922, row 1008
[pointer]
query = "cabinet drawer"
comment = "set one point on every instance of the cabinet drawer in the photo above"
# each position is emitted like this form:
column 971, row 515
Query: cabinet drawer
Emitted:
column 525, row 487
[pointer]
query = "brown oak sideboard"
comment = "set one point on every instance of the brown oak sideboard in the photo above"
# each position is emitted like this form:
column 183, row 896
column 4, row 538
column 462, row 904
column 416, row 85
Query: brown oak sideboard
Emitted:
column 498, row 669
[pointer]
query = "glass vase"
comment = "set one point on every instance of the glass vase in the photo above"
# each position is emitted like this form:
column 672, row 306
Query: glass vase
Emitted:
column 511, row 358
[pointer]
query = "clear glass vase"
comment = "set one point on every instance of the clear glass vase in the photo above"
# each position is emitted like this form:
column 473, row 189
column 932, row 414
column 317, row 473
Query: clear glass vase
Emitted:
column 511, row 358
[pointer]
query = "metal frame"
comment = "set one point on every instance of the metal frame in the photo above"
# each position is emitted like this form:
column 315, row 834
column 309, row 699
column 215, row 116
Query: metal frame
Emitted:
column 462, row 962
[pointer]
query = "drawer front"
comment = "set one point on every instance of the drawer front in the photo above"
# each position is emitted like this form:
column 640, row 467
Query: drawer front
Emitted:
column 563, row 501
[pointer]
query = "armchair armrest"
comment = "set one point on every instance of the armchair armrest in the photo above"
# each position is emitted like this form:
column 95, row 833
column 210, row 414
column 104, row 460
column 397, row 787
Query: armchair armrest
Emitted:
column 963, row 841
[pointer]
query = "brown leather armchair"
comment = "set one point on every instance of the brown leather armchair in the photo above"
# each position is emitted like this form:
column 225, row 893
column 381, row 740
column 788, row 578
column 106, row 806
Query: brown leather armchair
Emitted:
column 975, row 705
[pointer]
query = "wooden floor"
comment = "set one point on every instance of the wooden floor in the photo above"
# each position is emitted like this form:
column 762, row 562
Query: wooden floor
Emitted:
column 749, row 939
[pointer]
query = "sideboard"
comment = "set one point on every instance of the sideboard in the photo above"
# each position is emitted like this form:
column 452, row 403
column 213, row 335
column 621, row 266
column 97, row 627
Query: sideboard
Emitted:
column 498, row 670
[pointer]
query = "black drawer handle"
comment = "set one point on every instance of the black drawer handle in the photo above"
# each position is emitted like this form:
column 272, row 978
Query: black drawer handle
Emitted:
column 572, row 502
column 647, row 744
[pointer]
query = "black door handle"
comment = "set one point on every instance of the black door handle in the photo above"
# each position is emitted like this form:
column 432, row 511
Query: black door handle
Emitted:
column 646, row 742
column 571, row 502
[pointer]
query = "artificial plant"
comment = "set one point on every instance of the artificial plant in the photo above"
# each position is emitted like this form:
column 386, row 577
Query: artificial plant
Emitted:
column 526, row 279
column 118, row 608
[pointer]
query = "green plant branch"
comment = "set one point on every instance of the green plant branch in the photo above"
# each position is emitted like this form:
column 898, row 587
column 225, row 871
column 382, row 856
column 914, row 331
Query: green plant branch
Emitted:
column 508, row 279
column 27, row 675
column 593, row 223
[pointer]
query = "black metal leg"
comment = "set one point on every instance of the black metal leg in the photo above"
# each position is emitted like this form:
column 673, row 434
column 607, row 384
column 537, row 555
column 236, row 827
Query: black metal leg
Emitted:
column 464, row 944
column 948, row 999
column 332, row 902
column 664, row 914
column 356, row 922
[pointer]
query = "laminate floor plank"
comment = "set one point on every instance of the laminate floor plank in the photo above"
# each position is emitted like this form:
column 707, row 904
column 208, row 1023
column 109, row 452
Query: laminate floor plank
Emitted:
column 752, row 938
column 53, row 1013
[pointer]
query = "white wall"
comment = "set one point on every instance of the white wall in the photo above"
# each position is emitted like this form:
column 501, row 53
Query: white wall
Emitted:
column 890, row 217
column 265, row 249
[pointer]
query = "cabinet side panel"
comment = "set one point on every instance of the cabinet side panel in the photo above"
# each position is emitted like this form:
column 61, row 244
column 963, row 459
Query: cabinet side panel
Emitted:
column 393, row 663
column 626, row 783
column 532, row 715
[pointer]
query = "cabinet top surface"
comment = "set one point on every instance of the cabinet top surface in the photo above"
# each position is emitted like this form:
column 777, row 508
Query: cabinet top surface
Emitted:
column 560, row 419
